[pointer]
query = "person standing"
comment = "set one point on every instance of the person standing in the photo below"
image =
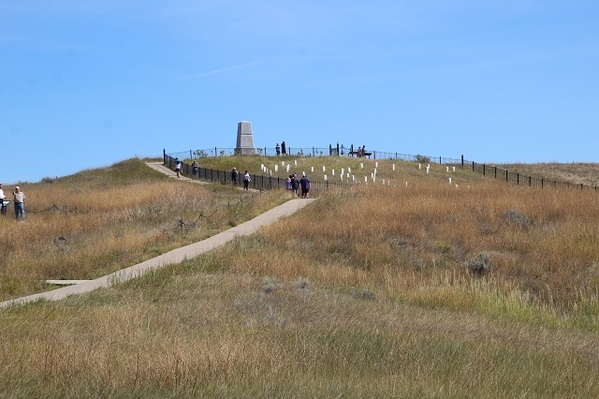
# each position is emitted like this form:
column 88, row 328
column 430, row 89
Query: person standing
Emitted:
column 195, row 168
column 246, row 180
column 278, row 149
column 305, row 185
column 283, row 148
column 19, row 201
column 178, row 167
column 2, row 198
column 234, row 174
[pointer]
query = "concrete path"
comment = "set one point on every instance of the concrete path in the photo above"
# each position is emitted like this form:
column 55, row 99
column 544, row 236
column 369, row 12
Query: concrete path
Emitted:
column 175, row 256
column 171, row 173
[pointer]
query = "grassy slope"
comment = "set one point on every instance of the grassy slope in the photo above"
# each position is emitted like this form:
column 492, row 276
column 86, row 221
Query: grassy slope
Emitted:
column 327, row 304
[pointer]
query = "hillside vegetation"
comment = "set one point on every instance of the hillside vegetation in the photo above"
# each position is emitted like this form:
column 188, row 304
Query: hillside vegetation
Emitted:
column 412, row 287
column 576, row 173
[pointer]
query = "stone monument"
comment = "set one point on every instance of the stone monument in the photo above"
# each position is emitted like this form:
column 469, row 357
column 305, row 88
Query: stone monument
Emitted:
column 245, row 139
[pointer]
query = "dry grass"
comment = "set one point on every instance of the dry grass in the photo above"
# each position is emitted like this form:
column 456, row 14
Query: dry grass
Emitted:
column 427, row 235
column 368, row 292
column 576, row 173
column 85, row 226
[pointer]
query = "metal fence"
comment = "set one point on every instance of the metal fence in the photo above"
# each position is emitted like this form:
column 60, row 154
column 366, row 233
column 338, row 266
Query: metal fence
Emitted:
column 522, row 180
column 261, row 182
column 258, row 182
column 332, row 150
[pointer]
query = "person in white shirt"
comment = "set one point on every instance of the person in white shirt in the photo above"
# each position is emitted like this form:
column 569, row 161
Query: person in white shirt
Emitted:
column 246, row 180
column 2, row 198
column 19, row 198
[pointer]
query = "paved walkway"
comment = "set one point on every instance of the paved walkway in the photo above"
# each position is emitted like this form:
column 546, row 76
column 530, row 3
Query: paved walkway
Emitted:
column 175, row 256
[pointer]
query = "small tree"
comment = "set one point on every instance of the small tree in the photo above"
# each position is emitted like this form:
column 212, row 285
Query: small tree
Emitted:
column 200, row 154
column 422, row 159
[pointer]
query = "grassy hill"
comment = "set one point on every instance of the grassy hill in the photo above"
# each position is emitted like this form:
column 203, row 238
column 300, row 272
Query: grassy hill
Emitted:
column 410, row 288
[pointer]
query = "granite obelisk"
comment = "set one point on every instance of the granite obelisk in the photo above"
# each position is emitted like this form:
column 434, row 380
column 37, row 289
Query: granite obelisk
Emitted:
column 245, row 139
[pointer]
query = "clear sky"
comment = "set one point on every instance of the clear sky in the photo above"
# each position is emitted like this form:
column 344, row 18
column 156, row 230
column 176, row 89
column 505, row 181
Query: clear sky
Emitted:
column 84, row 84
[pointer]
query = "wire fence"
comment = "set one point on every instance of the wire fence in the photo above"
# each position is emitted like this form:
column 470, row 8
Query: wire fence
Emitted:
column 261, row 182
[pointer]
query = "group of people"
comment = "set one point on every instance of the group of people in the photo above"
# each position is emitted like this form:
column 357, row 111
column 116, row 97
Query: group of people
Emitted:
column 293, row 183
column 281, row 149
column 246, row 178
column 18, row 201
column 361, row 151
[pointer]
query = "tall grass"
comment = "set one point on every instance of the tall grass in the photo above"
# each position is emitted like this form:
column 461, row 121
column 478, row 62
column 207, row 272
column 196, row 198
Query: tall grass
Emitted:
column 426, row 290
column 87, row 225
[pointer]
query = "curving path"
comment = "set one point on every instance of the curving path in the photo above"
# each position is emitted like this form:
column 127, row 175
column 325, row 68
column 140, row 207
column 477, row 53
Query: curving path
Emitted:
column 175, row 256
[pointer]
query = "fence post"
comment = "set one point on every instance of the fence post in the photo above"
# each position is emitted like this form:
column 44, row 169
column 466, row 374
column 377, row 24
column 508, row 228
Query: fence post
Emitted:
column 164, row 156
column 484, row 169
column 462, row 160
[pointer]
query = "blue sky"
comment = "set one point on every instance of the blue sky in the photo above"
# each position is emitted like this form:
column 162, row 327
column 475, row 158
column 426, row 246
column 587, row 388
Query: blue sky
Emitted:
column 84, row 84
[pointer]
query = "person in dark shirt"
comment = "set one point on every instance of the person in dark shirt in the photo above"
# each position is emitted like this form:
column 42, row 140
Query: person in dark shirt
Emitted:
column 294, row 184
column 305, row 185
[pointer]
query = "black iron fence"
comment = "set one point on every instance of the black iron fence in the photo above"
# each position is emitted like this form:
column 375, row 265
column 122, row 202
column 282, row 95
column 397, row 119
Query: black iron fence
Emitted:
column 261, row 182
column 257, row 182
column 332, row 150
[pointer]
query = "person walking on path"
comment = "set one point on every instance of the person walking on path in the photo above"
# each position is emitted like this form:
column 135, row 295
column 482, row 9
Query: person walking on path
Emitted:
column 2, row 198
column 294, row 184
column 19, row 200
column 305, row 185
column 234, row 174
column 195, row 168
column 246, row 180
column 178, row 167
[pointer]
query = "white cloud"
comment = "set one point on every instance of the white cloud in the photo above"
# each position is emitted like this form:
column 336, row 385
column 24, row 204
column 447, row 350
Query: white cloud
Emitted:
column 220, row 70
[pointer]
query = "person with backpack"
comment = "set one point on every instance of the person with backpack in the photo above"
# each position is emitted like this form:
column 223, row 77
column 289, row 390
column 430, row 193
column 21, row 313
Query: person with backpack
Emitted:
column 234, row 174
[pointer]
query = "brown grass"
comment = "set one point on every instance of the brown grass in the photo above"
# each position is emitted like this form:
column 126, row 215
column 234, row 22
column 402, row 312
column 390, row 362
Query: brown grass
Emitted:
column 575, row 173
column 368, row 292
column 81, row 228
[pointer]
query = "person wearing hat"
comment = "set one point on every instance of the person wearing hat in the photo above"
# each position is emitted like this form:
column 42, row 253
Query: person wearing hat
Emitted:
column 19, row 199
column 305, row 185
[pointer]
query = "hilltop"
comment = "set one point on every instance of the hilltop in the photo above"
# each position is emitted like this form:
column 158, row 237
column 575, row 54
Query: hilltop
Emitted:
column 483, row 289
